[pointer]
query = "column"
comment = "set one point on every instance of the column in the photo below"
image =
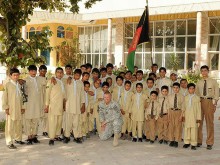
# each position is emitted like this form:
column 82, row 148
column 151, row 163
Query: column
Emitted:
column 119, row 42
column 109, row 43
column 202, row 39
column 24, row 32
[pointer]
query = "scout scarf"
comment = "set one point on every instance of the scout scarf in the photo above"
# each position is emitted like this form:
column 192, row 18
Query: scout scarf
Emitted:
column 138, row 99
column 190, row 99
column 61, row 84
column 35, row 81
column 17, row 87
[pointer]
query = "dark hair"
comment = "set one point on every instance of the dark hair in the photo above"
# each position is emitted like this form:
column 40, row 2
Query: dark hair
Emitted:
column 162, row 68
column 165, row 87
column 95, row 70
column 86, row 83
column 58, row 68
column 83, row 66
column 119, row 77
column 84, row 73
column 32, row 67
column 77, row 71
column 191, row 85
column 109, row 65
column 154, row 92
column 121, row 73
column 128, row 72
column 183, row 79
column 88, row 65
column 154, row 65
column 108, row 78
column 134, row 75
column 136, row 67
column 139, row 84
column 150, row 79
column 140, row 71
column 43, row 67
column 103, row 69
column 152, row 74
column 127, row 82
column 14, row 70
column 105, row 84
column 204, row 67
column 176, row 84
column 68, row 66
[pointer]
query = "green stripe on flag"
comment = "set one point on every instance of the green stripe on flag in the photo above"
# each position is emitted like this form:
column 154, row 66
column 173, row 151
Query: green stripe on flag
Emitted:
column 130, row 61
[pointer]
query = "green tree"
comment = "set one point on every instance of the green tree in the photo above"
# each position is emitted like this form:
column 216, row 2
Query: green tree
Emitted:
column 174, row 62
column 13, row 15
column 69, row 53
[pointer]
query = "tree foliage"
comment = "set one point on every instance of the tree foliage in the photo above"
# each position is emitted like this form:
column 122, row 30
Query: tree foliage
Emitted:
column 69, row 53
column 13, row 15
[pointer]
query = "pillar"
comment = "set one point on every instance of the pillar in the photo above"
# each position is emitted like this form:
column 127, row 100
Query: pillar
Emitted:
column 24, row 32
column 109, row 42
column 119, row 42
column 202, row 39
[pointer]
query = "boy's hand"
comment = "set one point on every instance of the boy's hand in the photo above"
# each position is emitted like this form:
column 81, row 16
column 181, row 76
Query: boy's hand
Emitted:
column 91, row 93
column 7, row 112
column 53, row 81
column 183, row 119
column 22, row 111
column 46, row 109
column 122, row 112
column 198, row 121
column 83, row 109
column 21, row 82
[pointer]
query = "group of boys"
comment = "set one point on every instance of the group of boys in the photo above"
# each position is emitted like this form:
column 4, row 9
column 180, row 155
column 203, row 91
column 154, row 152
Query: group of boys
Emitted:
column 68, row 104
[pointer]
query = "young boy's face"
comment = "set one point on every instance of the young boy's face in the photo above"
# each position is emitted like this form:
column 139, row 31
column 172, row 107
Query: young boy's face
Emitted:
column 59, row 74
column 139, row 89
column 176, row 89
column 104, row 73
column 162, row 73
column 83, row 69
column 150, row 83
column 119, row 82
column 97, row 84
column 183, row 84
column 153, row 96
column 173, row 77
column 86, row 87
column 89, row 70
column 139, row 76
column 154, row 69
column 164, row 92
column 105, row 88
column 204, row 72
column 95, row 76
column 33, row 73
column 85, row 77
column 42, row 72
column 191, row 90
column 77, row 76
column 68, row 70
column 109, row 70
column 133, row 79
column 15, row 76
column 109, row 81
column 127, row 87
column 128, row 76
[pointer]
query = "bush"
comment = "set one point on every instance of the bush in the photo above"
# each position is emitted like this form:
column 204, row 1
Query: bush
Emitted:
column 192, row 77
column 2, row 125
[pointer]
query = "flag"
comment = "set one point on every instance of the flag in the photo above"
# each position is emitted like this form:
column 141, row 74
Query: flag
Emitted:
column 141, row 35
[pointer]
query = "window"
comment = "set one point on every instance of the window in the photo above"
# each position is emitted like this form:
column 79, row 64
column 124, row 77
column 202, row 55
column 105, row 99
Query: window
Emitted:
column 69, row 33
column 31, row 32
column 60, row 32
column 38, row 30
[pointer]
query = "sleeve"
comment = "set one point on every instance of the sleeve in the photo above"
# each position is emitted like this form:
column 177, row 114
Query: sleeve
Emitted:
column 5, row 98
column 101, row 114
column 82, row 94
column 132, row 102
column 184, row 107
column 199, row 112
column 197, row 89
column 48, row 92
column 121, row 101
column 158, row 111
column 216, row 94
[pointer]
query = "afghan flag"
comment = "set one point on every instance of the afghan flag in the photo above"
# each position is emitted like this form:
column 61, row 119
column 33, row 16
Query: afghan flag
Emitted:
column 141, row 35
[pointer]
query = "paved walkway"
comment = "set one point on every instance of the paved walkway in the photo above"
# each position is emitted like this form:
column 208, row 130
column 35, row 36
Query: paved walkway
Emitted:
column 96, row 152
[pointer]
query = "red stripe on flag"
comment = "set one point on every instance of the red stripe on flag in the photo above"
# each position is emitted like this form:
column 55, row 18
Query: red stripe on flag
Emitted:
column 135, row 40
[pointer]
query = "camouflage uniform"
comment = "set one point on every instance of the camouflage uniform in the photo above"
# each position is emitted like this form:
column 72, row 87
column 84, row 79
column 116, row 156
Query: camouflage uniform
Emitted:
column 111, row 114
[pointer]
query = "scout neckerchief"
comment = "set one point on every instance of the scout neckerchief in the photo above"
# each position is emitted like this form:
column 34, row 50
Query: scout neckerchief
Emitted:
column 18, row 92
column 35, row 82
column 61, row 84
column 95, row 92
column 74, row 86
column 190, row 99
column 119, row 92
column 184, row 93
column 86, row 101
column 138, row 99
column 125, row 95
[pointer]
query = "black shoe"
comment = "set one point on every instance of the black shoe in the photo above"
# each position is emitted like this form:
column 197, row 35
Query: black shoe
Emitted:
column 35, row 140
column 140, row 140
column 134, row 140
column 161, row 141
column 58, row 139
column 51, row 142
column 66, row 140
column 165, row 142
column 193, row 147
column 151, row 142
column 19, row 142
column 175, row 144
column 186, row 145
column 199, row 144
column 171, row 144
column 44, row 134
column 144, row 137
column 12, row 146
column 209, row 147
column 87, row 135
column 147, row 140
column 71, row 135
column 156, row 137
column 77, row 140
column 29, row 142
